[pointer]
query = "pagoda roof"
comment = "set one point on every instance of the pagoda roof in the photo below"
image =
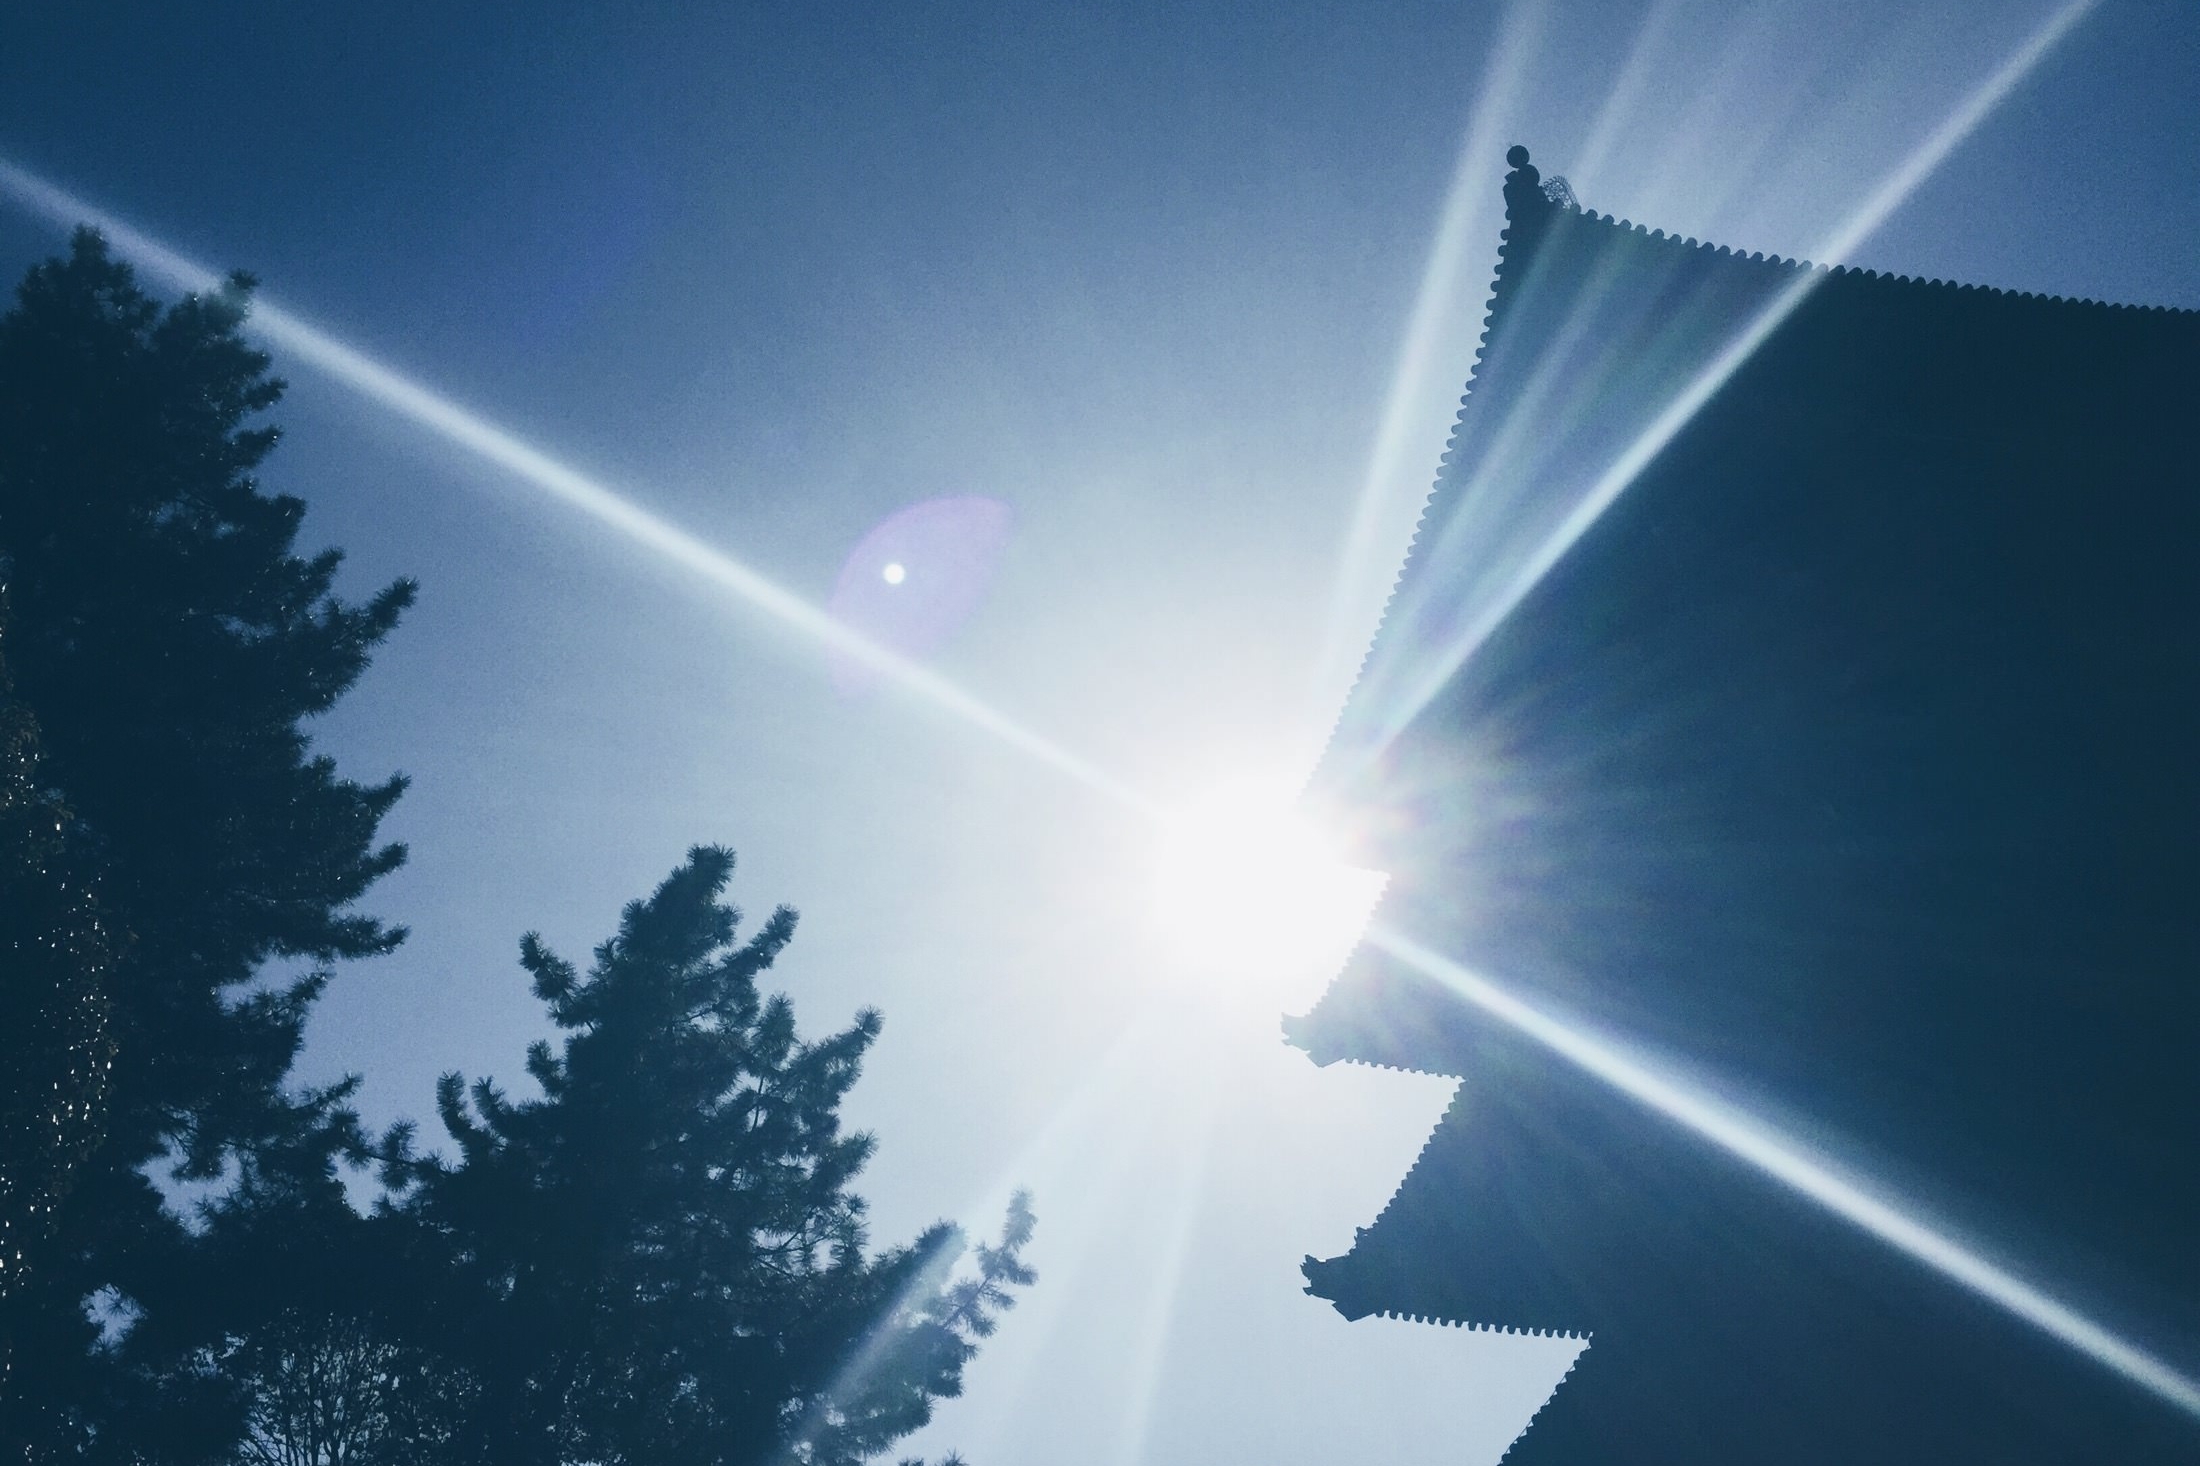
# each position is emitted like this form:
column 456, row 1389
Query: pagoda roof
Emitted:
column 1598, row 328
column 1796, row 677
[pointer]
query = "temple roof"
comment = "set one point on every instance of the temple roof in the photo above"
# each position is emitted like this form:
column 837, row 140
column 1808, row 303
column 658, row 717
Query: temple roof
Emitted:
column 1796, row 675
column 1598, row 329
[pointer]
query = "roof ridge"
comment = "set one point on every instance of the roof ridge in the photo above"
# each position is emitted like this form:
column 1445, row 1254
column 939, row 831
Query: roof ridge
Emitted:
column 1505, row 242
column 1591, row 216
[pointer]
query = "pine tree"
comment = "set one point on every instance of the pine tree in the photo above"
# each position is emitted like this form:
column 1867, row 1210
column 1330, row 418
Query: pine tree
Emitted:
column 55, row 1045
column 168, row 644
column 660, row 1260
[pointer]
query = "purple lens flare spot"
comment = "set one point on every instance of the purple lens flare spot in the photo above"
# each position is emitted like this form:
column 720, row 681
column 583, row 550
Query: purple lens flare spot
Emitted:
column 917, row 576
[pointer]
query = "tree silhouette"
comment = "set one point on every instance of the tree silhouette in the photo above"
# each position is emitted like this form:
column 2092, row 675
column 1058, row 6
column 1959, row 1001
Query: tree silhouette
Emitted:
column 167, row 644
column 659, row 1260
column 315, row 1326
column 55, row 1045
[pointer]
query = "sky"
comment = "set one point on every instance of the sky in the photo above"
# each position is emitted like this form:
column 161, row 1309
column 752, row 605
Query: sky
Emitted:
column 1188, row 293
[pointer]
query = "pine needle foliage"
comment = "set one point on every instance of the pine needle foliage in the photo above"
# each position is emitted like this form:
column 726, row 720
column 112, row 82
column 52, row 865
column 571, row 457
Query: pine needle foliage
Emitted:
column 660, row 1259
column 169, row 644
column 55, row 1048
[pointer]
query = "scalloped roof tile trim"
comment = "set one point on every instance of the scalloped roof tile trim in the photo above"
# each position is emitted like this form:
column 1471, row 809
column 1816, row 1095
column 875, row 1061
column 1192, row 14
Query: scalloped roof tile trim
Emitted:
column 1440, row 1321
column 1547, row 1399
column 1406, row 561
column 1507, row 239
column 1586, row 1340
column 1428, row 499
column 1397, row 1191
column 1451, row 1107
column 1299, row 1027
column 1792, row 263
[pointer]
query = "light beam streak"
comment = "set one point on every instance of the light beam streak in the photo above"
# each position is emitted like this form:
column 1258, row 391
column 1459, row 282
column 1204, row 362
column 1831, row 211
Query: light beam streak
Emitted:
column 1463, row 223
column 1834, row 249
column 1586, row 168
column 1851, row 1197
column 568, row 486
column 1183, row 1199
column 1107, row 1122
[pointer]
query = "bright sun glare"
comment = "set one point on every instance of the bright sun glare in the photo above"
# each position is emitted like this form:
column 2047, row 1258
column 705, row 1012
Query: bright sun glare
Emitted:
column 1247, row 889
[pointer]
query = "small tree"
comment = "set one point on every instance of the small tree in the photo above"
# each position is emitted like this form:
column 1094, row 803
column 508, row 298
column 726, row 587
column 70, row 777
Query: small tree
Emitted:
column 660, row 1261
column 319, row 1343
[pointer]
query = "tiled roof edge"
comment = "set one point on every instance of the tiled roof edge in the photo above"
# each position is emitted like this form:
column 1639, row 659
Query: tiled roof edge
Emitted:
column 1441, row 1322
column 1547, row 1399
column 1505, row 247
column 1450, row 1108
column 1301, row 1029
column 1884, row 276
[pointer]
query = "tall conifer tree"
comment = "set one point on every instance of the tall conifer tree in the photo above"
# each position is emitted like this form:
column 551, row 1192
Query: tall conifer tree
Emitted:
column 56, row 1048
column 169, row 645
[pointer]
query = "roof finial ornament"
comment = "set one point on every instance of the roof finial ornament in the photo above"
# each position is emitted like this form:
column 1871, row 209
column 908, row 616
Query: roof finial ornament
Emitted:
column 1526, row 203
column 1526, row 178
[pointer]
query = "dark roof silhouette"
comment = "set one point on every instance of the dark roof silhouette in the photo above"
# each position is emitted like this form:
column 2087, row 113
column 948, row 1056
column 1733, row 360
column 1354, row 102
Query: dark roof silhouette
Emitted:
column 1849, row 761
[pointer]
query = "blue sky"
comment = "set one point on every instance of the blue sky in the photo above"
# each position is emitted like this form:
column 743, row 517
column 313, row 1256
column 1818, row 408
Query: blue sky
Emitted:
column 1179, row 285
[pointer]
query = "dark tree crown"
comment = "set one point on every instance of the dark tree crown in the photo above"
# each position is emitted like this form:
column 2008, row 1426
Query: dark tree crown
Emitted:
column 167, row 642
column 664, row 1260
column 170, row 642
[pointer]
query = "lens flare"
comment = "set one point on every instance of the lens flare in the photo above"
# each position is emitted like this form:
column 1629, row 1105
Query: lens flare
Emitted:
column 562, row 483
column 1240, row 880
column 911, row 582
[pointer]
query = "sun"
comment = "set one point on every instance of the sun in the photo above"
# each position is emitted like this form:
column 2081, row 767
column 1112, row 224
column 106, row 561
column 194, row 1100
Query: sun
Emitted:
column 1246, row 889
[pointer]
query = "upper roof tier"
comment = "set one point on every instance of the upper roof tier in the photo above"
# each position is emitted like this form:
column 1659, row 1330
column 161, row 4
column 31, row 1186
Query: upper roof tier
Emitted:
column 1605, row 339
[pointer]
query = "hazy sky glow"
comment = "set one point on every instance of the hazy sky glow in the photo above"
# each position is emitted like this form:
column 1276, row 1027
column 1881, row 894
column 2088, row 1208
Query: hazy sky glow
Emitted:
column 1190, row 300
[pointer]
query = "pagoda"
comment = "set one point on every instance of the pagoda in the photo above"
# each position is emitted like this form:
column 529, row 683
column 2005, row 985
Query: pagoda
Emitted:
column 1795, row 682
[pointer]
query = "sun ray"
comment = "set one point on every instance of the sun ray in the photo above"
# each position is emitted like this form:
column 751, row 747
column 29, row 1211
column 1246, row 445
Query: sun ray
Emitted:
column 426, row 408
column 1466, row 219
column 1854, row 1198
column 1586, row 167
column 1428, row 677
column 1165, row 1282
